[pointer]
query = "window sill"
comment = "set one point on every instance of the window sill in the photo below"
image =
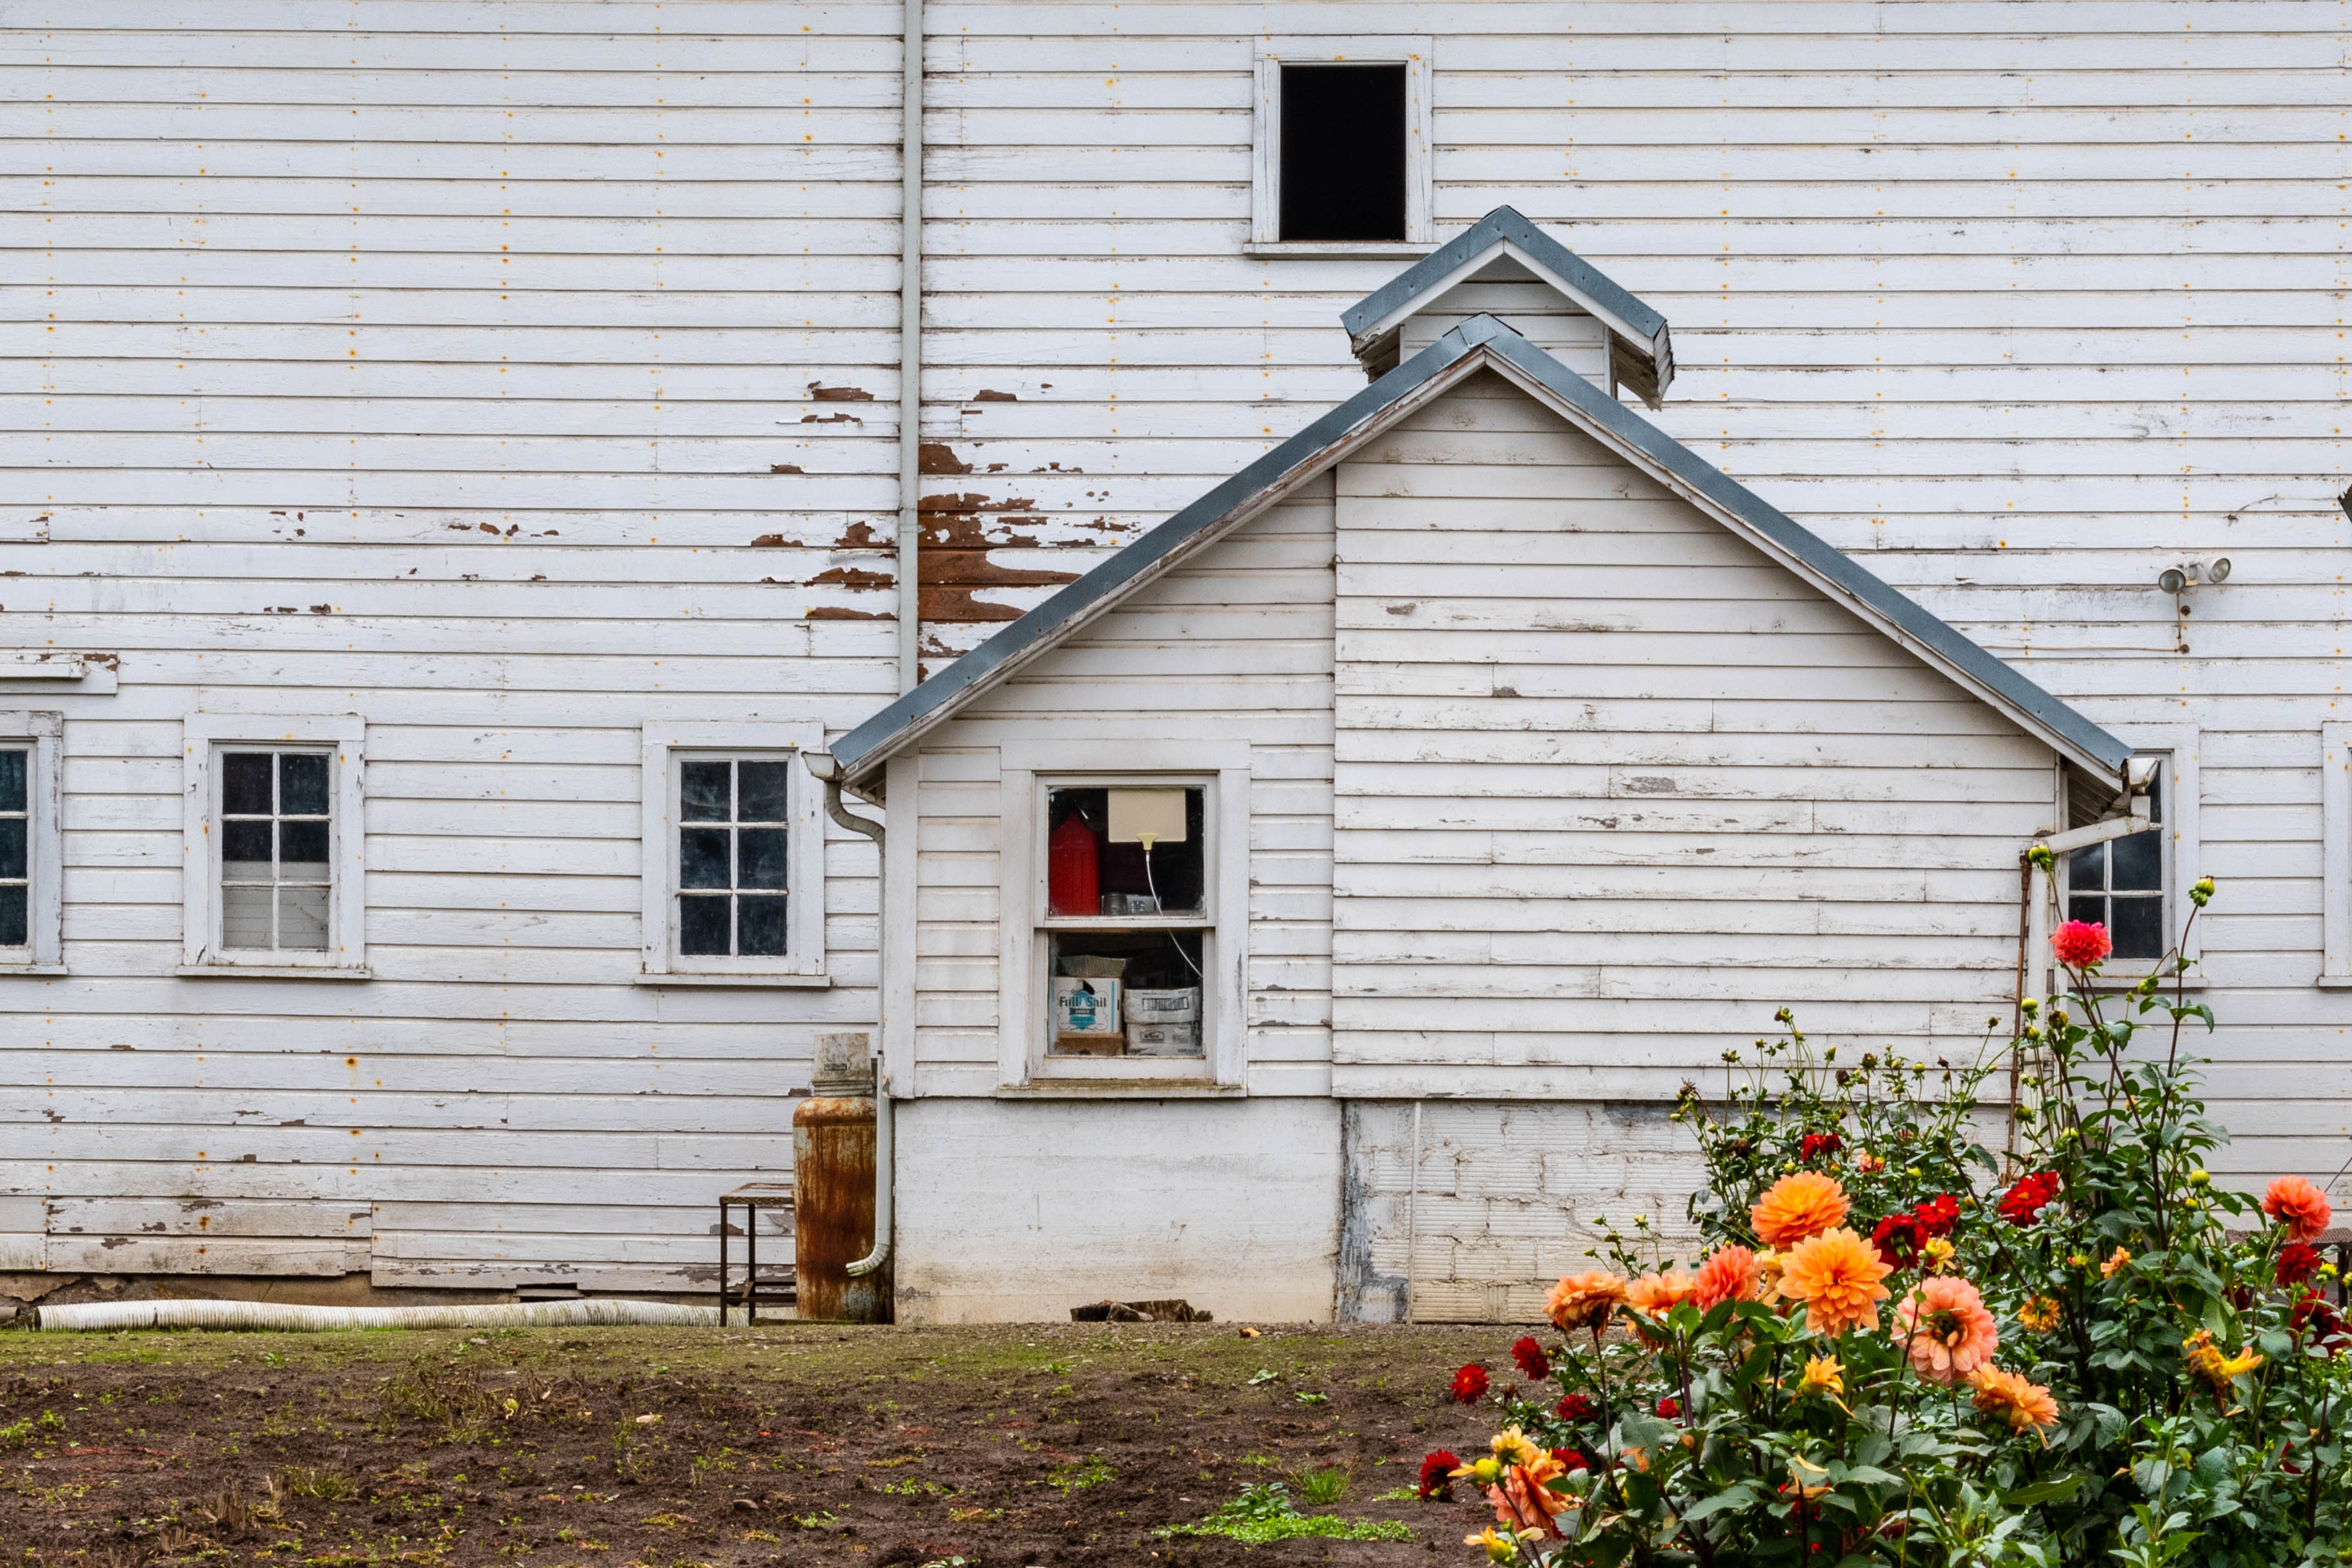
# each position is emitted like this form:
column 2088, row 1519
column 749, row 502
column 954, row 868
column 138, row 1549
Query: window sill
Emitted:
column 1120, row 1089
column 763, row 982
column 271, row 972
column 2333, row 982
column 1340, row 249
column 54, row 969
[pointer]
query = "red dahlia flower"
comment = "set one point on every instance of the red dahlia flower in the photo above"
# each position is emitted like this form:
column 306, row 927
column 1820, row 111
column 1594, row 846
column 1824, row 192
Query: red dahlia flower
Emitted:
column 2024, row 1202
column 2297, row 1262
column 1670, row 1408
column 1436, row 1469
column 1819, row 1143
column 1940, row 1215
column 2080, row 944
column 1574, row 1460
column 2317, row 1315
column 1470, row 1383
column 1576, row 1407
column 1531, row 1358
column 1898, row 1238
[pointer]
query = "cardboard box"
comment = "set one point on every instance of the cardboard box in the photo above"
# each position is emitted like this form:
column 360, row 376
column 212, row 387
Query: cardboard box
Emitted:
column 1086, row 1007
column 1164, row 1007
column 1164, row 1039
column 1090, row 1045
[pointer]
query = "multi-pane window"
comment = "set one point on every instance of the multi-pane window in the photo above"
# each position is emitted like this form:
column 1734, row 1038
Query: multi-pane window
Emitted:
column 275, row 868
column 2120, row 885
column 1126, row 925
column 734, row 885
column 15, row 846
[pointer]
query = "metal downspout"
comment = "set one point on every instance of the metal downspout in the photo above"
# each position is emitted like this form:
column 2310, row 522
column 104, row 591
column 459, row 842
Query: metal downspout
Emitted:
column 885, row 1167
column 911, row 350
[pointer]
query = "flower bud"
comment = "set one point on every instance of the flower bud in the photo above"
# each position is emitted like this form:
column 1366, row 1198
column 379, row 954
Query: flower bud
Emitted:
column 2040, row 857
column 2199, row 1176
column 2202, row 892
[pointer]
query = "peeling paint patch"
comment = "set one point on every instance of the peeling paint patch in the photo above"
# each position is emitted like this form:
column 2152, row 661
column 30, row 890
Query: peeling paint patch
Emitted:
column 786, row 468
column 985, row 395
column 820, row 392
column 938, row 457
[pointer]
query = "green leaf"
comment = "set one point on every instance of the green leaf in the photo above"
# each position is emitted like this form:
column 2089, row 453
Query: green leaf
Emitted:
column 2043, row 1492
column 1725, row 1502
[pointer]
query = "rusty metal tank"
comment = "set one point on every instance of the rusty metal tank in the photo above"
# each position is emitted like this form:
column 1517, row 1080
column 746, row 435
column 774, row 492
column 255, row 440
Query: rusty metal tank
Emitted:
column 833, row 1184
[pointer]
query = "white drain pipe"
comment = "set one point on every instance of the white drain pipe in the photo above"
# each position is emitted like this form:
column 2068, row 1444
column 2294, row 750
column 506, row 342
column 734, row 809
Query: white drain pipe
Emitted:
column 911, row 348
column 113, row 1317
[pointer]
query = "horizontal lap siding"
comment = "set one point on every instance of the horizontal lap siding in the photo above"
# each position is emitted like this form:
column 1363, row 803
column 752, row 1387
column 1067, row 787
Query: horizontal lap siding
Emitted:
column 1234, row 645
column 1595, row 823
column 510, row 375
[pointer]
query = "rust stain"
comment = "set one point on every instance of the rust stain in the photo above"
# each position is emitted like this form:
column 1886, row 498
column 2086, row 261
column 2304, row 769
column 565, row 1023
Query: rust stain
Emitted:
column 938, row 457
column 786, row 468
column 822, row 393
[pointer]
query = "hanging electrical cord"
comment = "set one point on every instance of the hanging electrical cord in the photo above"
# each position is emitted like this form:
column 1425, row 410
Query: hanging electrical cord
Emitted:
column 1147, row 841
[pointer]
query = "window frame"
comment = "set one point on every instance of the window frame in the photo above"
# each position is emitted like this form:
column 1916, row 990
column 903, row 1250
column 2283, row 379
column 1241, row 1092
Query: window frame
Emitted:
column 665, row 745
column 343, row 737
column 43, row 734
column 1409, row 50
column 2176, row 745
column 1027, row 771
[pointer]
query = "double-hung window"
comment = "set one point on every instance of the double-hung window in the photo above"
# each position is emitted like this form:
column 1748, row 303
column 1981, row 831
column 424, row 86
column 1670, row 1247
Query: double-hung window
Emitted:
column 31, row 844
column 2135, row 886
column 733, row 855
column 1125, row 900
column 275, row 869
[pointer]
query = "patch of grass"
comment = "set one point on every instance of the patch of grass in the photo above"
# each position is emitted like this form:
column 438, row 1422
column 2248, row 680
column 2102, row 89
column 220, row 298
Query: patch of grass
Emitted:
column 1400, row 1494
column 1079, row 1474
column 1321, row 1487
column 321, row 1481
column 1263, row 1514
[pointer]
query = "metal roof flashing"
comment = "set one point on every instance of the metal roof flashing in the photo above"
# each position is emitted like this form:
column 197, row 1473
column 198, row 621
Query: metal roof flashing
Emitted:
column 1642, row 343
column 1481, row 342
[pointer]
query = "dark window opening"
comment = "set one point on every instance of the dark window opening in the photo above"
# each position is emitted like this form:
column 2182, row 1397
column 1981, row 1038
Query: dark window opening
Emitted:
column 2120, row 885
column 1343, row 152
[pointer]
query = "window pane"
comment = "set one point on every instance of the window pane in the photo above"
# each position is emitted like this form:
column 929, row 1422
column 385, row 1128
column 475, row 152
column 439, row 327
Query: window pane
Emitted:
column 2139, row 863
column 2088, row 869
column 2138, row 930
column 702, row 857
column 244, row 783
column 2094, row 910
column 302, row 784
column 759, row 927
column 12, row 780
column 302, row 918
column 12, row 846
column 702, row 791
column 1343, row 152
column 760, row 857
column 13, row 927
column 302, row 851
column 760, row 791
column 702, row 925
column 245, row 917
column 2155, row 796
column 245, row 851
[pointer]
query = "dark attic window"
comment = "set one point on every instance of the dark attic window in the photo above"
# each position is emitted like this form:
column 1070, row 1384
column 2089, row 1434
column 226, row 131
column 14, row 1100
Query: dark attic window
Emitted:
column 1343, row 152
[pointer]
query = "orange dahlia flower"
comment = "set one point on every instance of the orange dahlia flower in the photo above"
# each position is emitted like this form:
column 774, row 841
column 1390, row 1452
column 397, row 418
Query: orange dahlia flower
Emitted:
column 1524, row 1502
column 2299, row 1206
column 1945, row 1330
column 1584, row 1301
column 1655, row 1295
column 1728, row 1276
column 1839, row 1277
column 1797, row 1206
column 2005, row 1395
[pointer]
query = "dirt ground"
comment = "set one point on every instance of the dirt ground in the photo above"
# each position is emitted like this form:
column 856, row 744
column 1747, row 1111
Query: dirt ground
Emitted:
column 1003, row 1447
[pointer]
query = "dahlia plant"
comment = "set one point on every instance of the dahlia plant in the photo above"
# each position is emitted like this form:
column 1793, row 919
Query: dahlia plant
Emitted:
column 1920, row 1331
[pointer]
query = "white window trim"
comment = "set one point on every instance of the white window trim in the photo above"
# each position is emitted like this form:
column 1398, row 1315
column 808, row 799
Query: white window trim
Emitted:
column 2178, row 744
column 44, row 732
column 2336, row 856
column 203, row 735
column 804, row 966
column 1023, row 1063
column 1412, row 52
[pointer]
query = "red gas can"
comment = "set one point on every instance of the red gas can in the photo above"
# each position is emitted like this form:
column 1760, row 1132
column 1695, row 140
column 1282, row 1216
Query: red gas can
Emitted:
column 1073, row 882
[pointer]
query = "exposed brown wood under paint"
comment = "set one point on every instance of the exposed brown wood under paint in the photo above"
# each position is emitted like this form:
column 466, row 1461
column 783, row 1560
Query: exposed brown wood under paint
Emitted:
column 984, row 395
column 938, row 457
column 850, row 577
column 820, row 392
column 786, row 468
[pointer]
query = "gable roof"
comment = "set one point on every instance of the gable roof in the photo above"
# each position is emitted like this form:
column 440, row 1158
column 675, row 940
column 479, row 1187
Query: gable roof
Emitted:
column 1641, row 352
column 1481, row 342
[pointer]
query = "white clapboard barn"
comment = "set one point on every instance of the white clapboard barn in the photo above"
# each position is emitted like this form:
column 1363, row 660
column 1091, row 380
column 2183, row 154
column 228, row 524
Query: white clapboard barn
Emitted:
column 504, row 500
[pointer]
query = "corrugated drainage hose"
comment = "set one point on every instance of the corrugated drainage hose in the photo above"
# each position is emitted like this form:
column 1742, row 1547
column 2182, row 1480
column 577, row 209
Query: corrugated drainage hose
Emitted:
column 107, row 1317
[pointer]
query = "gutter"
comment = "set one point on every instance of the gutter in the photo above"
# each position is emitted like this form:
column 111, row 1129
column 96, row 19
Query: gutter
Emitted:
column 822, row 765
column 911, row 350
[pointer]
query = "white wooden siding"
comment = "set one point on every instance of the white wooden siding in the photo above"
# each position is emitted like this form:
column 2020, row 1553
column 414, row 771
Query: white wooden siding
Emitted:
column 1610, row 786
column 1236, row 645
